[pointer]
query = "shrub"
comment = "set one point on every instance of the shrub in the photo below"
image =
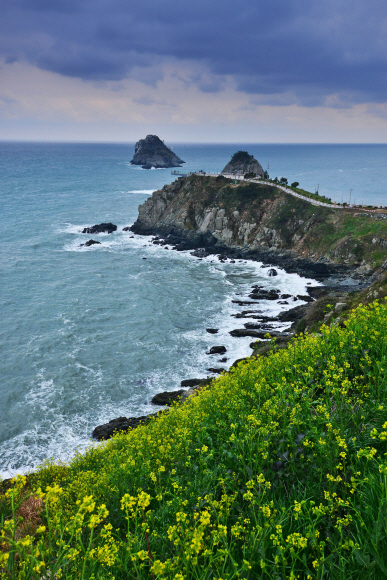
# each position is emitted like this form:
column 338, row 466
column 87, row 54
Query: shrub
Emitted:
column 241, row 157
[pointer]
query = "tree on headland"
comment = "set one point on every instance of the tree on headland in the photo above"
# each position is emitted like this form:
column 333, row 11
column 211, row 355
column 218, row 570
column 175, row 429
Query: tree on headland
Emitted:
column 295, row 184
column 241, row 157
column 283, row 181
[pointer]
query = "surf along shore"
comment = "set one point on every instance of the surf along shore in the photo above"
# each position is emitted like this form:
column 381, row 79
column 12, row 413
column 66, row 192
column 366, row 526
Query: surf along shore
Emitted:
column 275, row 469
column 259, row 221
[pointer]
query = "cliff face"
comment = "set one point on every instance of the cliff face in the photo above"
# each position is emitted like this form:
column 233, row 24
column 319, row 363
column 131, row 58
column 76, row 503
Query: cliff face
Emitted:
column 151, row 152
column 261, row 221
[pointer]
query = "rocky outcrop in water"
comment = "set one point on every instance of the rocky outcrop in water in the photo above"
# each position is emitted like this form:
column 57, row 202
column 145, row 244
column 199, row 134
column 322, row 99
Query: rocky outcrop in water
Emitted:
column 106, row 228
column 242, row 163
column 152, row 152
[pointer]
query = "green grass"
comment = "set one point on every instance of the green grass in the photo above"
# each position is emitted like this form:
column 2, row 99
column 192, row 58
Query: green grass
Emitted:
column 278, row 470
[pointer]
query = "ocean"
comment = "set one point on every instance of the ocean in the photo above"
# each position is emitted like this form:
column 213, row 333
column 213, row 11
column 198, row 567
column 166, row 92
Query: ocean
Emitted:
column 91, row 334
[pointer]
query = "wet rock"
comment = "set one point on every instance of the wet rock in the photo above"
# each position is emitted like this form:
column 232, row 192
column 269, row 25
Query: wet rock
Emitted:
column 223, row 360
column 217, row 371
column 167, row 397
column 283, row 302
column 265, row 295
column 272, row 272
column 293, row 314
column 212, row 330
column 105, row 228
column 120, row 424
column 285, row 296
column 191, row 382
column 126, row 229
column 241, row 332
column 305, row 298
column 90, row 243
column 217, row 350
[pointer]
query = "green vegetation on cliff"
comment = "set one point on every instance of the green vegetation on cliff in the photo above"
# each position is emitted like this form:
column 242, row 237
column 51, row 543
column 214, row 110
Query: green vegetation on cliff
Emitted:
column 278, row 470
column 263, row 217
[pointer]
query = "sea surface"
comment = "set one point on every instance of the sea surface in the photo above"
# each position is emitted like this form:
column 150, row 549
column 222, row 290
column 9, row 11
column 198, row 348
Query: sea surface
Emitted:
column 91, row 334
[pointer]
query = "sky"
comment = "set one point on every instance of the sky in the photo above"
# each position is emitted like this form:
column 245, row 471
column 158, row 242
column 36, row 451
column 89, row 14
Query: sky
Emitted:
column 291, row 71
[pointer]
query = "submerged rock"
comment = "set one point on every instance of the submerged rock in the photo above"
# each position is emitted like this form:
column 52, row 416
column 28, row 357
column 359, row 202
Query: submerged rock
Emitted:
column 105, row 228
column 90, row 243
column 212, row 330
column 152, row 152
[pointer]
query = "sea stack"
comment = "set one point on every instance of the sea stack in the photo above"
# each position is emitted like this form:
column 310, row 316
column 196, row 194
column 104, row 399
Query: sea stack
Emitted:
column 242, row 163
column 151, row 152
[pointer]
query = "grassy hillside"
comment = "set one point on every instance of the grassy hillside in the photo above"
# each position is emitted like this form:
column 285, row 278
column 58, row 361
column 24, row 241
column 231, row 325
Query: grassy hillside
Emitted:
column 278, row 470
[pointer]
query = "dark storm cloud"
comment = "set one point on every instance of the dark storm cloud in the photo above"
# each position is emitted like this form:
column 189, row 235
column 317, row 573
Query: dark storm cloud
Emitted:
column 302, row 49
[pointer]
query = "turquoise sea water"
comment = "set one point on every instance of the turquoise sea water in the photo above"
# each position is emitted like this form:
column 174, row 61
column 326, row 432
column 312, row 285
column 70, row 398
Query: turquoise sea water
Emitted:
column 90, row 334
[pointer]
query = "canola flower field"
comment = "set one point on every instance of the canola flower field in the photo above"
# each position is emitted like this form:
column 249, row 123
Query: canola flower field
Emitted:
column 278, row 470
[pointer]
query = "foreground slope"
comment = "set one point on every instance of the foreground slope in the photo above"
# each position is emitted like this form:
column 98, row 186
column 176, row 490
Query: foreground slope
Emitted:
column 278, row 470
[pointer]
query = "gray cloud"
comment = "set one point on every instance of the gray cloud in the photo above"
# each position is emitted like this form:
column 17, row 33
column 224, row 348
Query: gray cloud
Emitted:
column 300, row 51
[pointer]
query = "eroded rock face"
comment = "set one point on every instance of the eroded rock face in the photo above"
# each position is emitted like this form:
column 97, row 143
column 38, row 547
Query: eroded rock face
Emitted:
column 242, row 163
column 152, row 152
column 212, row 215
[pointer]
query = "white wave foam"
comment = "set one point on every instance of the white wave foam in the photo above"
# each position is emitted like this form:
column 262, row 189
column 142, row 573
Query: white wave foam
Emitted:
column 145, row 191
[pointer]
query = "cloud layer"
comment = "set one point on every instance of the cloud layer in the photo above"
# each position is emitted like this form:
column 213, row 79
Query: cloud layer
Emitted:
column 304, row 52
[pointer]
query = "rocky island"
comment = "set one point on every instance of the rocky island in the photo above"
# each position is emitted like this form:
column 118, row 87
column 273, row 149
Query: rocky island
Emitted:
column 152, row 152
column 242, row 163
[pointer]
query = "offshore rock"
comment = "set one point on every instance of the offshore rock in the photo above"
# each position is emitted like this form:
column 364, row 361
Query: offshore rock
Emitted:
column 90, row 243
column 107, row 228
column 242, row 163
column 217, row 350
column 152, row 152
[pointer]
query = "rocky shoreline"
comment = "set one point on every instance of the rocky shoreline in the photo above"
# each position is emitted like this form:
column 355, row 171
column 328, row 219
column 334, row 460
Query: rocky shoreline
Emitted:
column 337, row 284
column 258, row 325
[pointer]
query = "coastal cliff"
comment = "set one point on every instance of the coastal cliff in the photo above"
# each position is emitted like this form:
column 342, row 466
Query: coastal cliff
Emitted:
column 260, row 221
